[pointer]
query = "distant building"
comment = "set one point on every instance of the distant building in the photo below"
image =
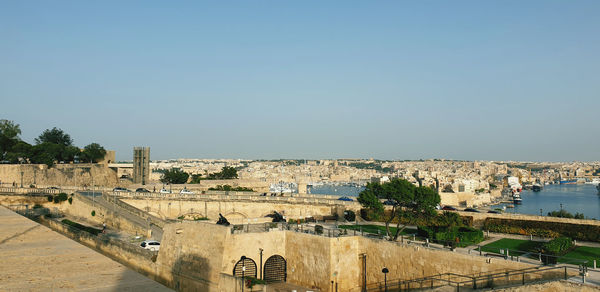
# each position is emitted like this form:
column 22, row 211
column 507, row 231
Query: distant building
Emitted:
column 141, row 165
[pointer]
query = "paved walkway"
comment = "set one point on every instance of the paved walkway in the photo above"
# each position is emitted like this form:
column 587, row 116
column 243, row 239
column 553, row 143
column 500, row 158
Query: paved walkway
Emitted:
column 35, row 258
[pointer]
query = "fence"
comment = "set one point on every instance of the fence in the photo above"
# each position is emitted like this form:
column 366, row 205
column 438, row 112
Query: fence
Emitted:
column 230, row 196
column 490, row 280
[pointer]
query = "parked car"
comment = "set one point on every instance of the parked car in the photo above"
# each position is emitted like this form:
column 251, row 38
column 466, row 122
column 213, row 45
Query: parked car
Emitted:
column 119, row 189
column 53, row 188
column 142, row 190
column 186, row 192
column 345, row 199
column 449, row 208
column 472, row 210
column 164, row 191
column 152, row 245
column 389, row 203
column 494, row 212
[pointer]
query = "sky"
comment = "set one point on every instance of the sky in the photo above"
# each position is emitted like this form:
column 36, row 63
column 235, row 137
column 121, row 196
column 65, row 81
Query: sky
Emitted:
column 469, row 80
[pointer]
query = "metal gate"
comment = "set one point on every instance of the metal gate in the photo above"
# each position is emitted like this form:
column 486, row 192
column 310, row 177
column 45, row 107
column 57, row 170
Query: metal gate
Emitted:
column 248, row 264
column 275, row 269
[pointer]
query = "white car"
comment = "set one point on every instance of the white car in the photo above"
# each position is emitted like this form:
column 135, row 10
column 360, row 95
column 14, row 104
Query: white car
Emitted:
column 152, row 245
column 164, row 191
column 186, row 192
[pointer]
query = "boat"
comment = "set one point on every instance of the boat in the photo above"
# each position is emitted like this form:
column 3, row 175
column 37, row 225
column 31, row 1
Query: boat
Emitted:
column 536, row 187
column 595, row 181
column 568, row 182
column 517, row 199
column 598, row 188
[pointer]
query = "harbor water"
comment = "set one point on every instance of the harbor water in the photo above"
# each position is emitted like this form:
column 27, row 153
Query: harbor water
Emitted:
column 574, row 198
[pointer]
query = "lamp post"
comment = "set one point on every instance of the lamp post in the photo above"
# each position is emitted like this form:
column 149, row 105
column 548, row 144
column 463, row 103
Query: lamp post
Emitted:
column 541, row 212
column 22, row 178
column 385, row 271
column 261, row 271
column 243, row 259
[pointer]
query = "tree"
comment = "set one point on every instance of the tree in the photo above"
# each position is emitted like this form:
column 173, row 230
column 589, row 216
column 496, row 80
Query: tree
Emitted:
column 407, row 202
column 93, row 153
column 20, row 152
column 174, row 176
column 46, row 153
column 227, row 172
column 55, row 136
column 9, row 136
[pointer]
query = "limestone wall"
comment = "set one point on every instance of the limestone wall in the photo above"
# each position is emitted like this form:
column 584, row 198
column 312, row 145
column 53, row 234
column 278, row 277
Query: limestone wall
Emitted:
column 141, row 260
column 234, row 211
column 58, row 175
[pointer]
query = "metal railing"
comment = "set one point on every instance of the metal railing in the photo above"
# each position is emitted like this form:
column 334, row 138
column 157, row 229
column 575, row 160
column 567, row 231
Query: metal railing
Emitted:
column 471, row 282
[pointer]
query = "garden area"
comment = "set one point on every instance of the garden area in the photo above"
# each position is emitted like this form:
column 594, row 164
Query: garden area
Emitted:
column 559, row 250
column 376, row 229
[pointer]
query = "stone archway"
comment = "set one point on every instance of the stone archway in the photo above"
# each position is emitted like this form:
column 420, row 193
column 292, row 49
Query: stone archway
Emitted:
column 245, row 267
column 275, row 269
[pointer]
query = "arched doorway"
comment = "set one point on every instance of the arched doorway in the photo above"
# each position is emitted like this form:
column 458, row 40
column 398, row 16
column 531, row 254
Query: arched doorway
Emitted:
column 275, row 269
column 250, row 268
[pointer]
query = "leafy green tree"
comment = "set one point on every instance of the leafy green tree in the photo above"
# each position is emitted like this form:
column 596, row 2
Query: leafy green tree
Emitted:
column 93, row 153
column 20, row 152
column 174, row 176
column 9, row 136
column 46, row 153
column 55, row 136
column 196, row 178
column 227, row 172
column 407, row 202
column 70, row 153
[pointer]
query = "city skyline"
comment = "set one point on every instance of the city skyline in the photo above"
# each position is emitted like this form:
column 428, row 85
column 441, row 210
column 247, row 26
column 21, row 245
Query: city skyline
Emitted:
column 386, row 80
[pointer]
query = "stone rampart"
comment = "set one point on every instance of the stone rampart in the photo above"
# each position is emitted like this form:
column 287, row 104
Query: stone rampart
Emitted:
column 139, row 259
column 41, row 175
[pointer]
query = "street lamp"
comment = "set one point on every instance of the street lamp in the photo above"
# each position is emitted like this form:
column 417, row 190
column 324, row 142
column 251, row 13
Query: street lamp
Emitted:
column 385, row 271
column 22, row 178
column 261, row 254
column 541, row 212
column 243, row 259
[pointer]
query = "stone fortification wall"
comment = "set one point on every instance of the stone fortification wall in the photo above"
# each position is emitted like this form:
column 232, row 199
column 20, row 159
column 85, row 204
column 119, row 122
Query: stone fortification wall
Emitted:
column 466, row 199
column 58, row 175
column 139, row 259
column 234, row 211
column 197, row 255
column 191, row 256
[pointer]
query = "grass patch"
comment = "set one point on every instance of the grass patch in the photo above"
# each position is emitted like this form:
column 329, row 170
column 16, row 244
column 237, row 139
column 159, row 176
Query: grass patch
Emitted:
column 91, row 230
column 374, row 228
column 582, row 253
column 516, row 246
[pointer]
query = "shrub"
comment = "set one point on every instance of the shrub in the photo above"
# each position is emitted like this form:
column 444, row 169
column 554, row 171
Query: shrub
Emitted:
column 251, row 281
column 93, row 212
column 91, row 230
column 50, row 198
column 349, row 215
column 37, row 206
column 32, row 186
column 60, row 198
column 586, row 232
column 465, row 235
column 557, row 246
column 200, row 218
column 318, row 229
column 70, row 201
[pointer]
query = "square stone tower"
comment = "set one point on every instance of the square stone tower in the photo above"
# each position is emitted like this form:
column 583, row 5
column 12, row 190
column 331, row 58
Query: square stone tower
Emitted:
column 141, row 165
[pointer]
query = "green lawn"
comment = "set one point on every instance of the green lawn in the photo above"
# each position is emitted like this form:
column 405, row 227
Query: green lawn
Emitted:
column 374, row 228
column 516, row 246
column 583, row 253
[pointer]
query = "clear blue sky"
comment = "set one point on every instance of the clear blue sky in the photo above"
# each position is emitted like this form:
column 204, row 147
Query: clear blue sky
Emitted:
column 488, row 80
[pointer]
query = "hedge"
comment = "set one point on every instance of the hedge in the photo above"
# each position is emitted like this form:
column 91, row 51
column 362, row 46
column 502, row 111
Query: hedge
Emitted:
column 585, row 232
column 91, row 230
column 466, row 235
